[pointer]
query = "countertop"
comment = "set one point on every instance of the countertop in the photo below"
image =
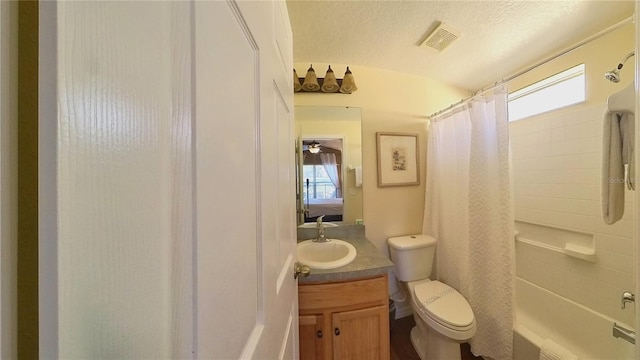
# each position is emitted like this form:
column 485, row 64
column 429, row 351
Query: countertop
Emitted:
column 369, row 261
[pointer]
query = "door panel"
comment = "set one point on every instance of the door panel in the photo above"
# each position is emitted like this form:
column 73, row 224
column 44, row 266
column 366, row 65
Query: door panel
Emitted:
column 168, row 218
column 245, row 251
column 227, row 181
column 119, row 170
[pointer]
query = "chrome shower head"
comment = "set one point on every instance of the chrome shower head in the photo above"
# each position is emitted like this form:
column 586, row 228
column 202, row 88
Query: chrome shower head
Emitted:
column 613, row 76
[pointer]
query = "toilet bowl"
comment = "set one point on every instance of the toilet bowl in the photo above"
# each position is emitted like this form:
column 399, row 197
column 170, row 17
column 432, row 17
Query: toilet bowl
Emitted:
column 443, row 316
column 443, row 319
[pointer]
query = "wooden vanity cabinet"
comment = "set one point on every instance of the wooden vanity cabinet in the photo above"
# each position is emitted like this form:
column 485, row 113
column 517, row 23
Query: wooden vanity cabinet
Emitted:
column 344, row 320
column 311, row 337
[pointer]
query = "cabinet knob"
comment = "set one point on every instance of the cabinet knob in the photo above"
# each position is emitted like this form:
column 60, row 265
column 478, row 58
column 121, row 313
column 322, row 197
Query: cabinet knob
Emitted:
column 337, row 331
column 319, row 334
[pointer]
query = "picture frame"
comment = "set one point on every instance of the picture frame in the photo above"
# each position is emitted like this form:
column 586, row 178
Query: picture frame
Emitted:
column 398, row 159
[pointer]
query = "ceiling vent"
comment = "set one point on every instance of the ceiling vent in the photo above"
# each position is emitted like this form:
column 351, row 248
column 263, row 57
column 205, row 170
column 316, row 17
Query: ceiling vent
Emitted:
column 441, row 37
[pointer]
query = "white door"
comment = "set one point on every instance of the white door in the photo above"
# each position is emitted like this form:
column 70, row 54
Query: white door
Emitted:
column 166, row 210
column 636, row 306
column 245, row 181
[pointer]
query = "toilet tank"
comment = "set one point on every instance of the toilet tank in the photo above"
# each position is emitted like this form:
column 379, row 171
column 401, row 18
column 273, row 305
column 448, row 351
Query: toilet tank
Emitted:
column 412, row 256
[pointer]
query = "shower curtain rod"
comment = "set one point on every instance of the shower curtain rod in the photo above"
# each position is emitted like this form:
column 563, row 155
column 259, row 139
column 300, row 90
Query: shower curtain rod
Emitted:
column 538, row 64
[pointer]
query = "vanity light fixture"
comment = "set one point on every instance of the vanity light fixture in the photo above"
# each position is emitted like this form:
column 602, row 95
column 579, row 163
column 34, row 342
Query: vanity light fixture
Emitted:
column 296, row 82
column 348, row 83
column 328, row 84
column 311, row 81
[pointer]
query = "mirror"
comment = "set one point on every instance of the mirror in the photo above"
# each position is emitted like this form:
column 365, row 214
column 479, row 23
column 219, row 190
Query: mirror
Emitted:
column 328, row 164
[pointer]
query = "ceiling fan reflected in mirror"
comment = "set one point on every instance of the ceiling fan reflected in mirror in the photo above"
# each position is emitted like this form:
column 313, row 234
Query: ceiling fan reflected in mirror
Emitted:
column 313, row 147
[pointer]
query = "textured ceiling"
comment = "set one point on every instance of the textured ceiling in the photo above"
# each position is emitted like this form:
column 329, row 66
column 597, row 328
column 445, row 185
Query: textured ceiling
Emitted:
column 498, row 37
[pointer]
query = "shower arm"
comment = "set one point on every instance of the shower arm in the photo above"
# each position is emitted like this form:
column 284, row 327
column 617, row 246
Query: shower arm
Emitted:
column 621, row 64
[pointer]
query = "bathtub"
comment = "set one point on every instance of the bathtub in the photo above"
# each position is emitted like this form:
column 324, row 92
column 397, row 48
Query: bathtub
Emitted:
column 541, row 314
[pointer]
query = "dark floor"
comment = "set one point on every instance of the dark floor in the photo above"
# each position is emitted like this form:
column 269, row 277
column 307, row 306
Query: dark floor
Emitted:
column 401, row 347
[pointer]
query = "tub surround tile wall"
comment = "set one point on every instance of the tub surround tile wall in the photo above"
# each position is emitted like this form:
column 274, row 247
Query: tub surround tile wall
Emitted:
column 556, row 171
column 544, row 314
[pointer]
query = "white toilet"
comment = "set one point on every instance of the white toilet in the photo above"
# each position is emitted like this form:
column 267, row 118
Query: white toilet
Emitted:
column 443, row 317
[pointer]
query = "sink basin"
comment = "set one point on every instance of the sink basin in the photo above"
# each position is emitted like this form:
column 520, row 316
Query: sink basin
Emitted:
column 326, row 255
column 313, row 225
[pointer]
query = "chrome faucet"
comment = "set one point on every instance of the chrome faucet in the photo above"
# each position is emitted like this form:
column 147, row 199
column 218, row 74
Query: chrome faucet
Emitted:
column 627, row 297
column 320, row 227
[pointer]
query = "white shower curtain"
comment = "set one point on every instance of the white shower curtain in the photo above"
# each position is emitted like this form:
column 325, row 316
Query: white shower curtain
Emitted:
column 468, row 209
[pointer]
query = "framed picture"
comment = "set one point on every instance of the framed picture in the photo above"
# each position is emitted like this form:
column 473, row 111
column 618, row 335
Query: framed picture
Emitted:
column 397, row 159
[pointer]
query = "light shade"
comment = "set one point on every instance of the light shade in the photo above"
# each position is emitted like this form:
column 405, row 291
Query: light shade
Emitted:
column 330, row 84
column 310, row 81
column 296, row 82
column 348, row 83
column 314, row 147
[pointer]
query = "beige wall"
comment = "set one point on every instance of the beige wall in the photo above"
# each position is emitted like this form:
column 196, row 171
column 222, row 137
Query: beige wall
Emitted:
column 393, row 102
column 599, row 56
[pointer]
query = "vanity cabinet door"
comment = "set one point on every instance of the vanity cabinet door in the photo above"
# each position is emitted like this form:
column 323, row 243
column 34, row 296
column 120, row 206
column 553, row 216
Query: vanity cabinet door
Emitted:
column 361, row 334
column 353, row 317
column 312, row 337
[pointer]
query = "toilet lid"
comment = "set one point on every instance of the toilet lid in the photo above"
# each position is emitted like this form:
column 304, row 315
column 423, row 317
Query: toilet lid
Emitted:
column 443, row 303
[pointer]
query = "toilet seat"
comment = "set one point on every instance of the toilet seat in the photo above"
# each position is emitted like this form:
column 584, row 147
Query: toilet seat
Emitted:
column 444, row 309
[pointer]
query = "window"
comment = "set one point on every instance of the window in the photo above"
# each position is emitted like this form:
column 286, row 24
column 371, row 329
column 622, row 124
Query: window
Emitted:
column 560, row 90
column 319, row 183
